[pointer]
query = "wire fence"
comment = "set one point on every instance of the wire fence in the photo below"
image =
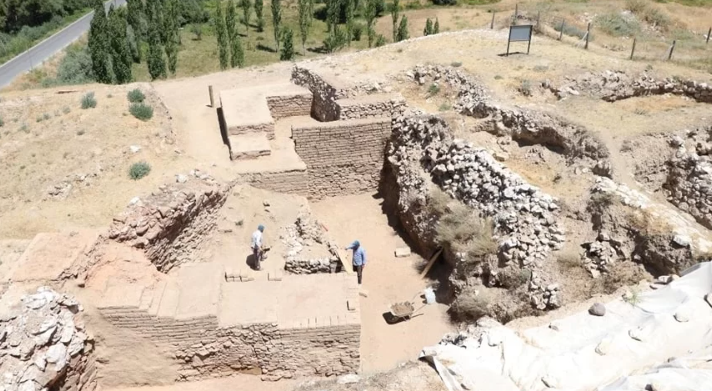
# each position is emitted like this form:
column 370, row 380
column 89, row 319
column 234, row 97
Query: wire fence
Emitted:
column 613, row 32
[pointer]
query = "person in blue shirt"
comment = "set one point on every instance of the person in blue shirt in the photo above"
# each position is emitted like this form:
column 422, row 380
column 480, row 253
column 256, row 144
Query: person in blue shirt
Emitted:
column 358, row 259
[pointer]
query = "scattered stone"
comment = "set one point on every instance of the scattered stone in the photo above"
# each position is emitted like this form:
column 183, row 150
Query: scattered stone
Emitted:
column 402, row 252
column 604, row 347
column 135, row 148
column 348, row 379
column 180, row 178
column 363, row 292
column 265, row 203
column 597, row 309
column 681, row 240
column 501, row 156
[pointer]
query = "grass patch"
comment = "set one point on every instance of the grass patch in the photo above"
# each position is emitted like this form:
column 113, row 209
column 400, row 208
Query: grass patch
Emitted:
column 139, row 170
column 25, row 128
column 141, row 111
column 571, row 30
column 433, row 89
column 66, row 110
column 2, row 122
column 617, row 25
column 136, row 96
column 88, row 101
column 445, row 106
column 456, row 64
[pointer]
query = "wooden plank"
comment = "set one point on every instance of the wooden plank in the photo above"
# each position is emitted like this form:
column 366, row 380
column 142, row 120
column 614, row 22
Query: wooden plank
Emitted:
column 343, row 259
column 431, row 263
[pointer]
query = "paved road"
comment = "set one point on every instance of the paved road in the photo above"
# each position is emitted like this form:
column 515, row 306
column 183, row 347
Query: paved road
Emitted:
column 47, row 48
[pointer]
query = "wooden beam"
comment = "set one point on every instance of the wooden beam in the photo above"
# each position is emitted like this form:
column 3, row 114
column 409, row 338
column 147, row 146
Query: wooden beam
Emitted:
column 431, row 263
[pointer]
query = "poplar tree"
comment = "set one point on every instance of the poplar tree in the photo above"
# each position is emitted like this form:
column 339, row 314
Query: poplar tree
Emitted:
column 277, row 19
column 120, row 53
column 287, row 52
column 155, row 60
column 246, row 6
column 134, row 15
column 428, row 30
column 403, row 29
column 370, row 14
column 259, row 8
column 222, row 36
column 395, row 13
column 304, row 22
column 172, row 38
column 99, row 45
column 237, row 58
column 436, row 27
column 350, row 9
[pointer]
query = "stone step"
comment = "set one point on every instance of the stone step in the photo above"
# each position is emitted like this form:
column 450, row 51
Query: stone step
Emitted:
column 249, row 146
column 169, row 301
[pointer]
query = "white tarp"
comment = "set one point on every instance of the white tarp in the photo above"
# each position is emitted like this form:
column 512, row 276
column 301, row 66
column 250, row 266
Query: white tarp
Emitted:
column 631, row 344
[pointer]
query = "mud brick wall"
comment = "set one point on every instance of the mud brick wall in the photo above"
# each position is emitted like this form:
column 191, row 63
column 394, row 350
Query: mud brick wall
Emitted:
column 170, row 225
column 290, row 105
column 363, row 107
column 290, row 181
column 342, row 157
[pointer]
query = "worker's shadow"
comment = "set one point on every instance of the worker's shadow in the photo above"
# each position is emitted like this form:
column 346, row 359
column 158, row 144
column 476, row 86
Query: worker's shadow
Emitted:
column 250, row 261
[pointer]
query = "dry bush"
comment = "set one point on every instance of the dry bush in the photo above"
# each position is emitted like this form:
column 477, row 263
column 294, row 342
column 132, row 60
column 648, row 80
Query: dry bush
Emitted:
column 470, row 305
column 438, row 201
column 602, row 200
column 642, row 221
column 569, row 261
column 513, row 278
column 464, row 231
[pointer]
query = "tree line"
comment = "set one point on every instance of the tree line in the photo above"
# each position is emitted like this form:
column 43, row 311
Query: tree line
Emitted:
column 15, row 14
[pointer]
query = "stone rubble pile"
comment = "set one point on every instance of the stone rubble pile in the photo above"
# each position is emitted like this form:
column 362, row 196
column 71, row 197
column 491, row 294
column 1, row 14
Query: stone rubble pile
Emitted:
column 171, row 223
column 308, row 232
column 518, row 123
column 63, row 189
column 603, row 253
column 612, row 86
column 689, row 179
column 526, row 219
column 43, row 345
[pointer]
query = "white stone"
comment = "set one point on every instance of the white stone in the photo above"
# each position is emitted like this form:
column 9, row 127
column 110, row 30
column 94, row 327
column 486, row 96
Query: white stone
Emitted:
column 56, row 353
column 402, row 252
column 134, row 201
column 135, row 148
column 682, row 240
column 348, row 379
column 180, row 178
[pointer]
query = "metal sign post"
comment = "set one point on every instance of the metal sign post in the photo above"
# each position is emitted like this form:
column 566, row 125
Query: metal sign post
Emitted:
column 520, row 34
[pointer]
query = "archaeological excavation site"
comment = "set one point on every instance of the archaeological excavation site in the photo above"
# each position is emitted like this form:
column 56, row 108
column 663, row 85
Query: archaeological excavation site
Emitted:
column 554, row 235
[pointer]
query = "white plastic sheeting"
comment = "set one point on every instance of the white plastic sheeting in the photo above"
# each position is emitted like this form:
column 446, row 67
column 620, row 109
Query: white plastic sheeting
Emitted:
column 629, row 346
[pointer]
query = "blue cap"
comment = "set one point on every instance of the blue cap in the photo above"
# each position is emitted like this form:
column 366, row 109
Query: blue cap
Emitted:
column 261, row 227
column 355, row 244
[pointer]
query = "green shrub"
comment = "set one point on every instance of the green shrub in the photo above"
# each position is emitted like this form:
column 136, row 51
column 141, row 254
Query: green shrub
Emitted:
column 75, row 67
column 571, row 30
column 380, row 40
column 434, row 89
column 445, row 2
column 139, row 170
column 456, row 64
column 2, row 122
column 141, row 111
column 136, row 96
column 617, row 25
column 657, row 18
column 88, row 101
column 66, row 110
column 357, row 32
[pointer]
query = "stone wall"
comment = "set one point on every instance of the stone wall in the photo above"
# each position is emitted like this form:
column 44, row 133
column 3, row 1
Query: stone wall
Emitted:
column 290, row 105
column 523, row 125
column 325, row 95
column 613, row 86
column 171, row 224
column 370, row 106
column 43, row 345
column 525, row 219
column 311, row 266
column 344, row 157
column 288, row 181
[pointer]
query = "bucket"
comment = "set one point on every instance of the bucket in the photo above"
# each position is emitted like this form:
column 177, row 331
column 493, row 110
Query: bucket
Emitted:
column 429, row 295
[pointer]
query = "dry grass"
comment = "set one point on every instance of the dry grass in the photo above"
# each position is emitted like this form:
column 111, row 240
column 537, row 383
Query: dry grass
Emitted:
column 645, row 224
column 470, row 305
column 462, row 230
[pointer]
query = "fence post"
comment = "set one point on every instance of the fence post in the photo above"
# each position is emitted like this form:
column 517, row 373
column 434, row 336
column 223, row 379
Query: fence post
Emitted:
column 561, row 32
column 538, row 16
column 588, row 34
column 632, row 51
column 516, row 13
column 492, row 22
column 212, row 99
column 709, row 32
column 671, row 50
